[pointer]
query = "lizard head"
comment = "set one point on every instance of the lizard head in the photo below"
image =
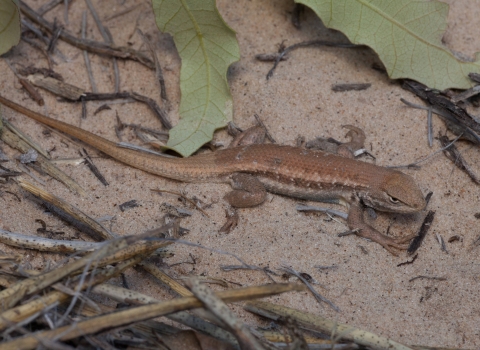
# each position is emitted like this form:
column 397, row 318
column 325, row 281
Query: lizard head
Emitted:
column 397, row 192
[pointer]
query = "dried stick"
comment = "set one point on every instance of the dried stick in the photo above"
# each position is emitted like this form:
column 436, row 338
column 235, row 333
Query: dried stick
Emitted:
column 89, row 45
column 141, row 313
column 85, row 55
column 107, row 37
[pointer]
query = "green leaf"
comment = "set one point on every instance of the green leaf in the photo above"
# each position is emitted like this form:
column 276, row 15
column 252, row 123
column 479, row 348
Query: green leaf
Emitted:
column 9, row 25
column 207, row 46
column 406, row 35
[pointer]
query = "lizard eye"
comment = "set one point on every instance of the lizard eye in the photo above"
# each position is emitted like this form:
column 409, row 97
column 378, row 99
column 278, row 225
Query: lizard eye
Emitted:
column 393, row 200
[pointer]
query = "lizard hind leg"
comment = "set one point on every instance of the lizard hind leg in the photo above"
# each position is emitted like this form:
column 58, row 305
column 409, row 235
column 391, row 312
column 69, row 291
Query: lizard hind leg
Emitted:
column 357, row 141
column 248, row 191
column 253, row 135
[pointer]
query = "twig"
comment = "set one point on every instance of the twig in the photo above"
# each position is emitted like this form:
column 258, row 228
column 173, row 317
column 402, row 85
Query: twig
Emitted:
column 301, row 207
column 102, row 108
column 157, row 133
column 121, row 13
column 108, row 40
column 215, row 305
column 142, row 149
column 317, row 295
column 417, row 241
column 466, row 94
column 85, row 55
column 269, row 57
column 427, row 157
column 475, row 77
column 265, row 270
column 65, row 11
column 297, row 11
column 123, row 295
column 37, row 46
column 158, row 68
column 57, row 30
column 159, row 112
column 45, row 164
column 349, row 232
column 42, row 37
column 57, row 87
column 140, row 313
column 35, row 30
column 46, row 244
column 93, row 167
column 408, row 262
column 429, row 127
column 123, row 257
column 89, row 45
column 428, row 278
column 68, row 212
column 428, row 197
column 457, row 118
column 100, row 26
column 116, row 72
column 331, row 267
column 306, row 44
column 441, row 242
column 350, row 87
column 48, row 6
column 34, row 94
column 10, row 296
column 129, row 204
column 312, row 321
column 442, row 114
column 185, row 198
column 456, row 157
column 28, row 320
column 30, row 70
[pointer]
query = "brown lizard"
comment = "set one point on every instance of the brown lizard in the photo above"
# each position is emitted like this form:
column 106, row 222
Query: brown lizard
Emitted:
column 291, row 171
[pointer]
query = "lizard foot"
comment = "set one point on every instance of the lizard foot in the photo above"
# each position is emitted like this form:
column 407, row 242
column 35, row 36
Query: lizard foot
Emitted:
column 389, row 243
column 248, row 191
column 357, row 140
column 355, row 221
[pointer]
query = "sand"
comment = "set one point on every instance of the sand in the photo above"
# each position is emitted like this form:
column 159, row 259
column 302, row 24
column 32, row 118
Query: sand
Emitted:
column 369, row 287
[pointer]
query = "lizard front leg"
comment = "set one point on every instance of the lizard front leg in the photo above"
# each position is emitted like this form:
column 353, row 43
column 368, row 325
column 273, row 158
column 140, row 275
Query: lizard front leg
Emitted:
column 355, row 221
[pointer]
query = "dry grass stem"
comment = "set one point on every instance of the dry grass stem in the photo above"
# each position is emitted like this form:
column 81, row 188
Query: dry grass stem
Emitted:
column 210, row 301
column 101, row 233
column 318, row 323
column 89, row 45
column 141, row 313
column 46, row 244
column 132, row 297
column 9, row 297
column 166, row 279
column 14, row 141
column 25, row 310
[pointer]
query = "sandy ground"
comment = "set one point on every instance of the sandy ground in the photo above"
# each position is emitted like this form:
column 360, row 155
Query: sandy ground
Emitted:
column 369, row 287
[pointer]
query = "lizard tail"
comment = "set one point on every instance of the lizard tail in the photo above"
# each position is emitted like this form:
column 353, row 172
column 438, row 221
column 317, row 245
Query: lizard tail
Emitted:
column 182, row 169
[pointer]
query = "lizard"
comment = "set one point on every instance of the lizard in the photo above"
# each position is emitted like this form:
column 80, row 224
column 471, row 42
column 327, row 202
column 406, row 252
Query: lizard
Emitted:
column 254, row 169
